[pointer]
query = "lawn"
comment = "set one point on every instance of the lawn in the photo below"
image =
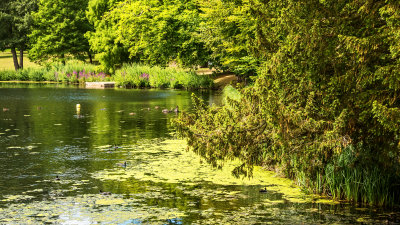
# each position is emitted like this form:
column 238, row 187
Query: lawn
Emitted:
column 6, row 61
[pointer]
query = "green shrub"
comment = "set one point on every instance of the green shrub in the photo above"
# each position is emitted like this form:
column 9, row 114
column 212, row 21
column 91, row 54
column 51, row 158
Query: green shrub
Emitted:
column 6, row 75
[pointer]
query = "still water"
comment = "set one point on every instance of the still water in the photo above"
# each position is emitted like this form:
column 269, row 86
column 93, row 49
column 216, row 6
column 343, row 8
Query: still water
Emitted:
column 116, row 160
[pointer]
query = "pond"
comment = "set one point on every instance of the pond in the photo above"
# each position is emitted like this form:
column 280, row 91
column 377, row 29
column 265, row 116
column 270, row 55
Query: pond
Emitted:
column 116, row 160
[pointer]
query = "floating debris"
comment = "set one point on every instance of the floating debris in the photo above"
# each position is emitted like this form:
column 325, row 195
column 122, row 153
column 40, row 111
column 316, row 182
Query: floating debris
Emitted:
column 104, row 192
column 122, row 164
column 12, row 198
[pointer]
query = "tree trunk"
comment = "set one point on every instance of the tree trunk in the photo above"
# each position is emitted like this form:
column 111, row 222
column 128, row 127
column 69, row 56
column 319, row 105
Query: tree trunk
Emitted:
column 90, row 58
column 15, row 58
column 62, row 57
column 21, row 58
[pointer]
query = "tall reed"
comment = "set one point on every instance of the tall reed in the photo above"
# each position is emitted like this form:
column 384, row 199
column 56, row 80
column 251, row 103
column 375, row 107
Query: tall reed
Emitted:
column 136, row 75
column 349, row 178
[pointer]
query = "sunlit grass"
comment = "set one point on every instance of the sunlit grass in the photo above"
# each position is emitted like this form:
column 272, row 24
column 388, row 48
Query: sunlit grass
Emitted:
column 6, row 61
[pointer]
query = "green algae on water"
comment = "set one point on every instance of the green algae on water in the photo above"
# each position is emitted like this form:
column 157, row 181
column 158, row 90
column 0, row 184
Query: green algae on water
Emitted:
column 86, row 209
column 168, row 161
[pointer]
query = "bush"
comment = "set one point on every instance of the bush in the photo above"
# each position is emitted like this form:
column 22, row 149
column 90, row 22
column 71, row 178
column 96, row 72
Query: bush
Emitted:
column 6, row 75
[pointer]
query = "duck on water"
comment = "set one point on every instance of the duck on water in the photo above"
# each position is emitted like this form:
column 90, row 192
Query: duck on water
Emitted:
column 176, row 110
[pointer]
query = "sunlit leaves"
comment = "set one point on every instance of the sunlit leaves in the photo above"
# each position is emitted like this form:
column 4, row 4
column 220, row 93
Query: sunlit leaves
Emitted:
column 59, row 28
column 152, row 32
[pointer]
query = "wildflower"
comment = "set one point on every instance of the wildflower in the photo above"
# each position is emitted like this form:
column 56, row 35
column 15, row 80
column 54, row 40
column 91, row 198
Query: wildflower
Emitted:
column 145, row 76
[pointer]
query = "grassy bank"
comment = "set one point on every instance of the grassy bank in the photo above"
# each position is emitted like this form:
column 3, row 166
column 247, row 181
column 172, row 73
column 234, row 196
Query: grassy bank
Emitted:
column 71, row 72
column 133, row 76
column 6, row 61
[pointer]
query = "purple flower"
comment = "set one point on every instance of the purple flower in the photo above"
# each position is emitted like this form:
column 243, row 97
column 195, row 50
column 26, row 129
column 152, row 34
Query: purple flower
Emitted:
column 75, row 73
column 101, row 74
column 145, row 76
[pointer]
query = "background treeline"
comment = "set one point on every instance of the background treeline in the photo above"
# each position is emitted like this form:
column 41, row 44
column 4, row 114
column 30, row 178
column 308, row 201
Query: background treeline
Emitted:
column 218, row 34
column 325, row 108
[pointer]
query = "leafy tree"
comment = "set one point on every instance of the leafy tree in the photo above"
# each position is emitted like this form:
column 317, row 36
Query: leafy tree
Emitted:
column 15, row 24
column 326, row 100
column 153, row 32
column 110, row 52
column 58, row 32
column 228, row 31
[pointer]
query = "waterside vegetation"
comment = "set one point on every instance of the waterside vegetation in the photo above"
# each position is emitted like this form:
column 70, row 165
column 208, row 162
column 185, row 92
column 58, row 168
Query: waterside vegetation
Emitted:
column 130, row 75
column 136, row 75
column 324, row 109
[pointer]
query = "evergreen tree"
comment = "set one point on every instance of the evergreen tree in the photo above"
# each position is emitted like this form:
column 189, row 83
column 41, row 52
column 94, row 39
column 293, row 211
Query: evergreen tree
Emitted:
column 325, row 109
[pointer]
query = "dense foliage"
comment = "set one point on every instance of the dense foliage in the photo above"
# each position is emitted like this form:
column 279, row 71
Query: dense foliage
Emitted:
column 103, row 39
column 215, row 33
column 58, row 31
column 152, row 32
column 325, row 109
column 227, row 29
